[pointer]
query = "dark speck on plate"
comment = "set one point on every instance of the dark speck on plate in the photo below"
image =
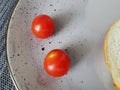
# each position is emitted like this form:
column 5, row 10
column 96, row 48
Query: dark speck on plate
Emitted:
column 51, row 5
column 28, row 83
column 27, row 1
column 66, row 50
column 59, row 42
column 24, row 79
column 81, row 44
column 42, row 48
column 26, row 12
column 18, row 72
column 24, row 8
column 54, row 9
column 18, row 54
column 25, row 62
column 81, row 81
column 35, row 14
column 25, row 21
column 49, row 42
column 81, row 54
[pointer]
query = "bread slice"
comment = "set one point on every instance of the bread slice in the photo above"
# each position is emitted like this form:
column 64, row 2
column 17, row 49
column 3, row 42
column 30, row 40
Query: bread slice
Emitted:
column 112, row 52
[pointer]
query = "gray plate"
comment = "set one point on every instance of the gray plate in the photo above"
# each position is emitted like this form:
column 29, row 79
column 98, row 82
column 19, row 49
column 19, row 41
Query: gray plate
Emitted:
column 80, row 28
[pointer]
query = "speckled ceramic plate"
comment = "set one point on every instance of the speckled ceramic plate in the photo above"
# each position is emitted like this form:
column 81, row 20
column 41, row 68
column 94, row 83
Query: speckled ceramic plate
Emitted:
column 80, row 29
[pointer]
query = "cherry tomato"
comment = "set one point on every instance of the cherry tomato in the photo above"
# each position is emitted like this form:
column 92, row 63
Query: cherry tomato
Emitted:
column 43, row 26
column 57, row 63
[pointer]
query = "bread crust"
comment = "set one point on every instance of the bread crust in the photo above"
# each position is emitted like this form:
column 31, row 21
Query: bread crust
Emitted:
column 117, row 86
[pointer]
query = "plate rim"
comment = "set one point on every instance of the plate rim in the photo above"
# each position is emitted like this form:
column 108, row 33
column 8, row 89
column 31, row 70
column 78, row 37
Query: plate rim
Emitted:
column 6, row 45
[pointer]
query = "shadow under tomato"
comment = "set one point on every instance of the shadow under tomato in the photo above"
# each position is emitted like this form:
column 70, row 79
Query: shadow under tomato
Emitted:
column 62, row 20
column 77, row 52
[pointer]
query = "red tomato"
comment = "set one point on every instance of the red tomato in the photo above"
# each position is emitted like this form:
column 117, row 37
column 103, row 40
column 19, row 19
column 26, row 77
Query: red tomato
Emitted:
column 43, row 26
column 57, row 63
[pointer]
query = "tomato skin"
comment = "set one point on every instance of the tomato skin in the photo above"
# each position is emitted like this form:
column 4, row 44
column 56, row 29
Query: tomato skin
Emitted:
column 43, row 26
column 57, row 63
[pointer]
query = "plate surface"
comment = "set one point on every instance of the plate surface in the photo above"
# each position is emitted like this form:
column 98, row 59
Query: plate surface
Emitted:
column 80, row 28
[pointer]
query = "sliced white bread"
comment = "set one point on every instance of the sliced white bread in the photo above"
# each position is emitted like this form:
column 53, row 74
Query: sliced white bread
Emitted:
column 112, row 52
